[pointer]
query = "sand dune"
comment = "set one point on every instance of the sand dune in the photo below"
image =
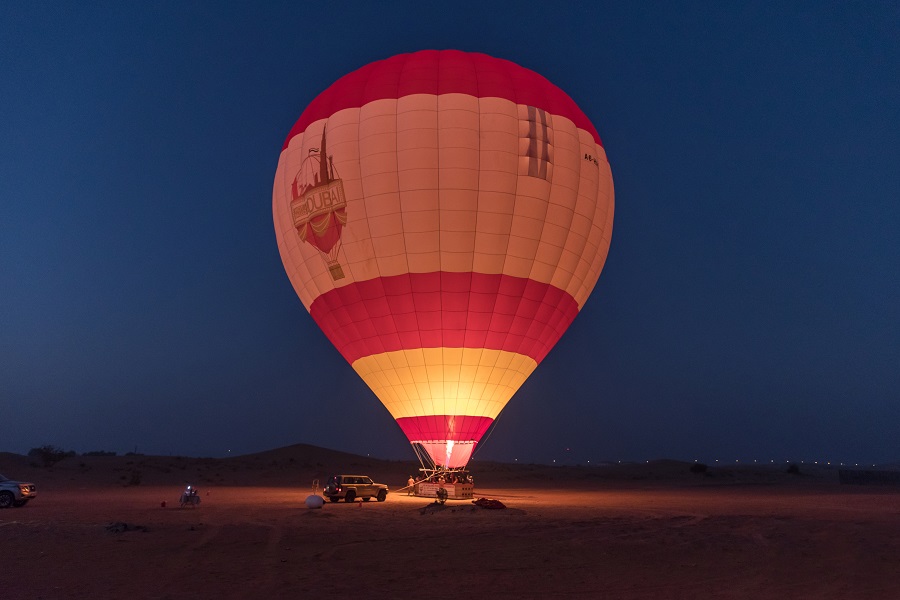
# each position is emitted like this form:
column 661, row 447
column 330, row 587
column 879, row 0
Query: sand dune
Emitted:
column 653, row 530
column 299, row 465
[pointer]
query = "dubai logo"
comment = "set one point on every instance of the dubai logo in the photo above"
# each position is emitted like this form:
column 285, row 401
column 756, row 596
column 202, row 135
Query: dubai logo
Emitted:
column 319, row 206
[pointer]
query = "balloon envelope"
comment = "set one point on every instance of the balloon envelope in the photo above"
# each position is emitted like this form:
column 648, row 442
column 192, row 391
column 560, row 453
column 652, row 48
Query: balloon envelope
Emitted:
column 443, row 216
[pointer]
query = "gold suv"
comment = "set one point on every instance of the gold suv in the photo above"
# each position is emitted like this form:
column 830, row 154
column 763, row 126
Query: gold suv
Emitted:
column 351, row 487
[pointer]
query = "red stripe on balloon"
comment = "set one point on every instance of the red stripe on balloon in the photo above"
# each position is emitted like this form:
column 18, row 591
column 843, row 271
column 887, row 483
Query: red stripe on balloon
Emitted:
column 459, row 428
column 442, row 72
column 444, row 310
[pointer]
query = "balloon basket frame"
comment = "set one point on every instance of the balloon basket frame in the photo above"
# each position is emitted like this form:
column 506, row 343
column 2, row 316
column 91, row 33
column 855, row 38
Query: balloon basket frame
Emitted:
column 456, row 482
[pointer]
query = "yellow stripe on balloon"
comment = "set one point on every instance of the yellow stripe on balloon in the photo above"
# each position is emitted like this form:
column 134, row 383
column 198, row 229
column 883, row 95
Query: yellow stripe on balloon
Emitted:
column 445, row 381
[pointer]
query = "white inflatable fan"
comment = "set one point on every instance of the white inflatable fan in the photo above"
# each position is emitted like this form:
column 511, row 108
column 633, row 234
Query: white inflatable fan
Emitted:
column 314, row 500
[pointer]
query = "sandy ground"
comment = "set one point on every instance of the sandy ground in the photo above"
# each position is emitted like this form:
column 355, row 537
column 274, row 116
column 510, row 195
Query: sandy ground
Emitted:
column 593, row 538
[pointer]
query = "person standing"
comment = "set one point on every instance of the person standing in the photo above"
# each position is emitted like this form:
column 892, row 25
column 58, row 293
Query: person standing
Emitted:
column 410, row 486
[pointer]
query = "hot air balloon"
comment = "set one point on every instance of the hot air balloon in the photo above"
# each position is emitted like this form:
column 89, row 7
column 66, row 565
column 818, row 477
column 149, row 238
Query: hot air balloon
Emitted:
column 443, row 216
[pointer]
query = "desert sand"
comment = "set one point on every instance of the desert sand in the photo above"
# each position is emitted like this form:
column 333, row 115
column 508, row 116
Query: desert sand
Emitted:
column 98, row 530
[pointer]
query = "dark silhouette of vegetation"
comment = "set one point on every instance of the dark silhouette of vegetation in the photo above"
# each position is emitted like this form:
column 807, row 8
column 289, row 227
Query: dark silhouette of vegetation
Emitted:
column 699, row 468
column 49, row 455
column 793, row 469
column 99, row 453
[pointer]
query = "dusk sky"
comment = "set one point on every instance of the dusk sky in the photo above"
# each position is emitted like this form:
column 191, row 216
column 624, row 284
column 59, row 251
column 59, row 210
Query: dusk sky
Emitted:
column 749, row 308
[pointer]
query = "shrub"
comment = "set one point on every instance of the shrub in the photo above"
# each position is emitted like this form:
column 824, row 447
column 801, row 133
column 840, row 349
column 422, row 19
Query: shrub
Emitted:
column 99, row 453
column 49, row 455
column 135, row 478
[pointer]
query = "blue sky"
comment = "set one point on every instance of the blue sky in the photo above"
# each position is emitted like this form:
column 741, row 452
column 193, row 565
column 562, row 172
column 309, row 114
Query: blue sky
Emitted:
column 750, row 306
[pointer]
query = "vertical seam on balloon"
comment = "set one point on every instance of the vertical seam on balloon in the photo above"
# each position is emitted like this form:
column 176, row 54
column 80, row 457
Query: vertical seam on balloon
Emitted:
column 468, row 410
column 279, row 229
column 377, row 266
column 601, row 256
column 590, row 267
column 440, row 210
column 546, row 296
column 354, row 323
column 471, row 59
column 532, row 130
column 597, row 199
column 515, row 202
column 531, row 272
column 402, row 226
column 580, row 165
column 309, row 284
column 478, row 409
column 415, row 384
column 591, row 195
column 313, row 279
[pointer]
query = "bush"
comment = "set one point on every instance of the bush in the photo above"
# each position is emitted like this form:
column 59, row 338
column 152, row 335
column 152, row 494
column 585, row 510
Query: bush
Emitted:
column 698, row 468
column 99, row 453
column 134, row 479
column 49, row 455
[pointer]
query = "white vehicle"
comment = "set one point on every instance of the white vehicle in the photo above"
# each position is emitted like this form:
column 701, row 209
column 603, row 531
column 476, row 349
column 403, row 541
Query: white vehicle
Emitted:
column 15, row 493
